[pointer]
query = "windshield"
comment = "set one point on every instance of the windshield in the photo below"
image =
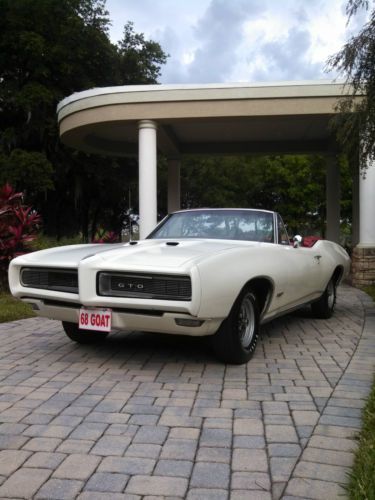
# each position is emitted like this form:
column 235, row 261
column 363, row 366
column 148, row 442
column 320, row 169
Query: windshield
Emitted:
column 247, row 225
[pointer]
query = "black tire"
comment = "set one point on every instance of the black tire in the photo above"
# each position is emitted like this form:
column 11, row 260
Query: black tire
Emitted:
column 236, row 339
column 324, row 307
column 83, row 336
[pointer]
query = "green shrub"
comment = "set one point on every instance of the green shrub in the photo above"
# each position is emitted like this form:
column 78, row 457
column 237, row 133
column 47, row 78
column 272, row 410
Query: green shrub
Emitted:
column 43, row 242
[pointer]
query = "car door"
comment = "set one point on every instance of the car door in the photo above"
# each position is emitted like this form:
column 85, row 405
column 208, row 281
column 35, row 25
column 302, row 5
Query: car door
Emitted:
column 305, row 274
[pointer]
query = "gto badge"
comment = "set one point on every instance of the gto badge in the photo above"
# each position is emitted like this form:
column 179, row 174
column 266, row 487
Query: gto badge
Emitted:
column 130, row 286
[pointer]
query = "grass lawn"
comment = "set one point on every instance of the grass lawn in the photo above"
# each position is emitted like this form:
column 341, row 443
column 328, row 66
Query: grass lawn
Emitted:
column 362, row 478
column 370, row 290
column 12, row 309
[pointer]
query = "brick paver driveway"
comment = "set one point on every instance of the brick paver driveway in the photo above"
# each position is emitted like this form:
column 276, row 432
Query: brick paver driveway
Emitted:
column 151, row 416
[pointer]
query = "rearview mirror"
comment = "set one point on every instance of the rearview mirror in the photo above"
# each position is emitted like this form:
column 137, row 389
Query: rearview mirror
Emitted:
column 297, row 241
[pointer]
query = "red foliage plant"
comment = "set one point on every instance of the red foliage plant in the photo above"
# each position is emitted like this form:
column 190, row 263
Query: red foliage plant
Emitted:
column 18, row 226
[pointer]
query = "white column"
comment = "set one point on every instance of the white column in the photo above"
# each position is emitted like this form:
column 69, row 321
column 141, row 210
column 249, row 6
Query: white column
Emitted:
column 174, row 190
column 367, row 206
column 333, row 200
column 147, row 160
column 355, row 206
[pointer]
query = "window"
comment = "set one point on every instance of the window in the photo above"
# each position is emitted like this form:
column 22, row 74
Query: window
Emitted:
column 246, row 225
column 283, row 237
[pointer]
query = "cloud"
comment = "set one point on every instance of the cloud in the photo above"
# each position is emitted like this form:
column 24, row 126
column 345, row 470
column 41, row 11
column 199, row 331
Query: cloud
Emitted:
column 287, row 58
column 220, row 32
column 239, row 40
column 250, row 41
column 174, row 71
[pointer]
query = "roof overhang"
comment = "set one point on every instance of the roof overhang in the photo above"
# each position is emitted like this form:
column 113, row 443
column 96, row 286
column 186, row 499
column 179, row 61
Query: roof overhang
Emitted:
column 269, row 118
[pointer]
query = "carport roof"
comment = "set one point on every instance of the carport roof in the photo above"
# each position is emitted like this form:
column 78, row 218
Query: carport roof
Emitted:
column 284, row 117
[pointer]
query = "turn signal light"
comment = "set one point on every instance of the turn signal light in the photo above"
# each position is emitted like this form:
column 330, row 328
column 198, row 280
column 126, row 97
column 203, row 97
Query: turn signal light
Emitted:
column 188, row 322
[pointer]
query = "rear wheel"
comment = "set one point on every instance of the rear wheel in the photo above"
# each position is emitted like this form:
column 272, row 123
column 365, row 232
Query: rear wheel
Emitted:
column 83, row 336
column 324, row 307
column 237, row 336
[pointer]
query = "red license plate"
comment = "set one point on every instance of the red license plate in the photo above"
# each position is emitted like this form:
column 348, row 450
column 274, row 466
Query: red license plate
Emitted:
column 95, row 319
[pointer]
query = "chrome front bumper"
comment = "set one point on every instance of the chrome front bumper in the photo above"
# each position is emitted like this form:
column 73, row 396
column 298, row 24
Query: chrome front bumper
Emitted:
column 160, row 322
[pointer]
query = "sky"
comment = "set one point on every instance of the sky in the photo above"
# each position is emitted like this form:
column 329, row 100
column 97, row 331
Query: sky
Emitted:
column 232, row 41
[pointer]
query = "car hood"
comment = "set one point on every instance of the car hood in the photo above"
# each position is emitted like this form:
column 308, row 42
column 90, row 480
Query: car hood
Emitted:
column 64, row 256
column 142, row 254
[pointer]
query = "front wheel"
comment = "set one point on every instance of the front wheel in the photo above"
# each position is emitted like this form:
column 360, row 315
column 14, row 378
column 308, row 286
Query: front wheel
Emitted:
column 324, row 307
column 82, row 336
column 235, row 340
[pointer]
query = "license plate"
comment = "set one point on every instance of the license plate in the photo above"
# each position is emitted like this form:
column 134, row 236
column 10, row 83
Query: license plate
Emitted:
column 95, row 319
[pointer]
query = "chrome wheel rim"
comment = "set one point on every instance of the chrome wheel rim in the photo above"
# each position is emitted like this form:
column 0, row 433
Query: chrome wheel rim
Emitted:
column 331, row 294
column 246, row 321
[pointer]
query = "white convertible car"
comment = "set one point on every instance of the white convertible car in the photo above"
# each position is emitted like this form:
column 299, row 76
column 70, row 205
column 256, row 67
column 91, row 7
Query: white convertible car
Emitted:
column 218, row 272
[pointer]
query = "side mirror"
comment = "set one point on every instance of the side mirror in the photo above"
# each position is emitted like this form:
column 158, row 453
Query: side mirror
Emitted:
column 297, row 241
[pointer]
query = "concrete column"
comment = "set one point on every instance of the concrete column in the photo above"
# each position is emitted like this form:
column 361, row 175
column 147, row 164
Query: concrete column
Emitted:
column 147, row 160
column 367, row 206
column 363, row 258
column 355, row 206
column 174, row 189
column 333, row 200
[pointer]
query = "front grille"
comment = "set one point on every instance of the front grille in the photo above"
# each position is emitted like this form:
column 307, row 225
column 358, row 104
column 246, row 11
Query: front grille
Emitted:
column 62, row 280
column 145, row 286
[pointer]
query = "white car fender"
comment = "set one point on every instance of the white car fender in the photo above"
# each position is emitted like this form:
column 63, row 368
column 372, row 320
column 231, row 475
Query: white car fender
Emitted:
column 221, row 282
